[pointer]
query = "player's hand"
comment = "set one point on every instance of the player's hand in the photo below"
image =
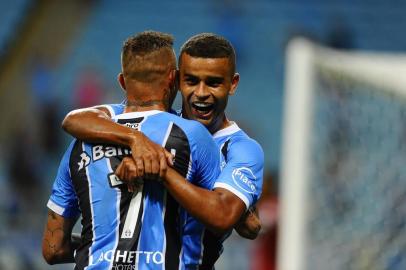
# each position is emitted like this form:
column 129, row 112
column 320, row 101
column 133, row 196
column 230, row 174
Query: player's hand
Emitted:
column 249, row 225
column 127, row 172
column 151, row 159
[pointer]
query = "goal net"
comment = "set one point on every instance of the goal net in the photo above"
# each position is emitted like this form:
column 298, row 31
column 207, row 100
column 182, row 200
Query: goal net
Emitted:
column 343, row 173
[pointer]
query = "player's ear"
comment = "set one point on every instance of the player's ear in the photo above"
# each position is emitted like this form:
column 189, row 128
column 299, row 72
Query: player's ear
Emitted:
column 234, row 83
column 172, row 78
column 121, row 81
column 173, row 88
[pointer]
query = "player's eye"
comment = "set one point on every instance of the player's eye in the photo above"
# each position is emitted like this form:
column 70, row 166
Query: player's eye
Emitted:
column 191, row 80
column 214, row 82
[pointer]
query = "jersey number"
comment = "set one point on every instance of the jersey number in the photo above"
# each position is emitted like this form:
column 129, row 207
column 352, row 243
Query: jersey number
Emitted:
column 132, row 215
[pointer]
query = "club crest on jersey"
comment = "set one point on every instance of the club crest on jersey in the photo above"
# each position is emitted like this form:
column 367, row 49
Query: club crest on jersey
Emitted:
column 84, row 161
column 242, row 178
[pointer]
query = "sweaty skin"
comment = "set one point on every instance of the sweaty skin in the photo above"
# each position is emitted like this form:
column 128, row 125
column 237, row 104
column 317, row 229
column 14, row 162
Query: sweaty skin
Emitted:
column 57, row 244
column 206, row 81
column 206, row 84
column 95, row 125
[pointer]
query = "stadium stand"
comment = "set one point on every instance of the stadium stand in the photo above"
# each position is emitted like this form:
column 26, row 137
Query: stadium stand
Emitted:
column 264, row 27
column 11, row 15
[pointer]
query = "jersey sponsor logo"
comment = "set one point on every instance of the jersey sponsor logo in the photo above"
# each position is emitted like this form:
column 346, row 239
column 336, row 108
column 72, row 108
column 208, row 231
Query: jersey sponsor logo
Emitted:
column 125, row 257
column 101, row 151
column 133, row 125
column 242, row 178
column 124, row 267
column 84, row 161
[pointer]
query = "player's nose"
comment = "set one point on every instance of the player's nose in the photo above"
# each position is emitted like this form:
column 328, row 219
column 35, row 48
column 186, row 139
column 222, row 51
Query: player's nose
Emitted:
column 201, row 91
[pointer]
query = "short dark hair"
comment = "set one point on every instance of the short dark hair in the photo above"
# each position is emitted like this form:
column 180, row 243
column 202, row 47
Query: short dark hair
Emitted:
column 209, row 45
column 146, row 42
column 141, row 46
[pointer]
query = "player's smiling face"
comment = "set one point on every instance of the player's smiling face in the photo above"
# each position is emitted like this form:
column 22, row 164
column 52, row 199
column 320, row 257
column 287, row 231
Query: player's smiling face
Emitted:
column 205, row 84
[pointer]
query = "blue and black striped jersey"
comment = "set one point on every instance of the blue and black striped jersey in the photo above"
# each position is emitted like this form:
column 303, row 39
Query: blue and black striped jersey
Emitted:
column 134, row 230
column 242, row 162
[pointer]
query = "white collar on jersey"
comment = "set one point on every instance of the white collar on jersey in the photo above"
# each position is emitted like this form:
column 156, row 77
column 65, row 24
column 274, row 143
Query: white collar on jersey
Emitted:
column 131, row 115
column 233, row 128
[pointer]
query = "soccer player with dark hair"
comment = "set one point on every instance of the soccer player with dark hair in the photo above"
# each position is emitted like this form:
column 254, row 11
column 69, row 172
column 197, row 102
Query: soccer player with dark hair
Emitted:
column 136, row 227
column 207, row 77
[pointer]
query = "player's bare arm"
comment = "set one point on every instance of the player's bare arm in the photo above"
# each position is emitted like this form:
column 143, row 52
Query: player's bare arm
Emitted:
column 249, row 224
column 218, row 210
column 58, row 243
column 95, row 125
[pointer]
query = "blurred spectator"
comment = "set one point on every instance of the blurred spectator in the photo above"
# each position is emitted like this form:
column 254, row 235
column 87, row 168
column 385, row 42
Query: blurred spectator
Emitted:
column 263, row 256
column 50, row 128
column 45, row 104
column 23, row 176
column 42, row 80
column 89, row 88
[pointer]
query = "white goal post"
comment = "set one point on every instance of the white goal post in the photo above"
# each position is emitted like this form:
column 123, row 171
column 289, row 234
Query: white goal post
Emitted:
column 344, row 115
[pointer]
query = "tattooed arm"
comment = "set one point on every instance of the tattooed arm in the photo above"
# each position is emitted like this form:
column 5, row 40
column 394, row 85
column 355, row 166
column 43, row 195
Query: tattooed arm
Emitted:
column 58, row 243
